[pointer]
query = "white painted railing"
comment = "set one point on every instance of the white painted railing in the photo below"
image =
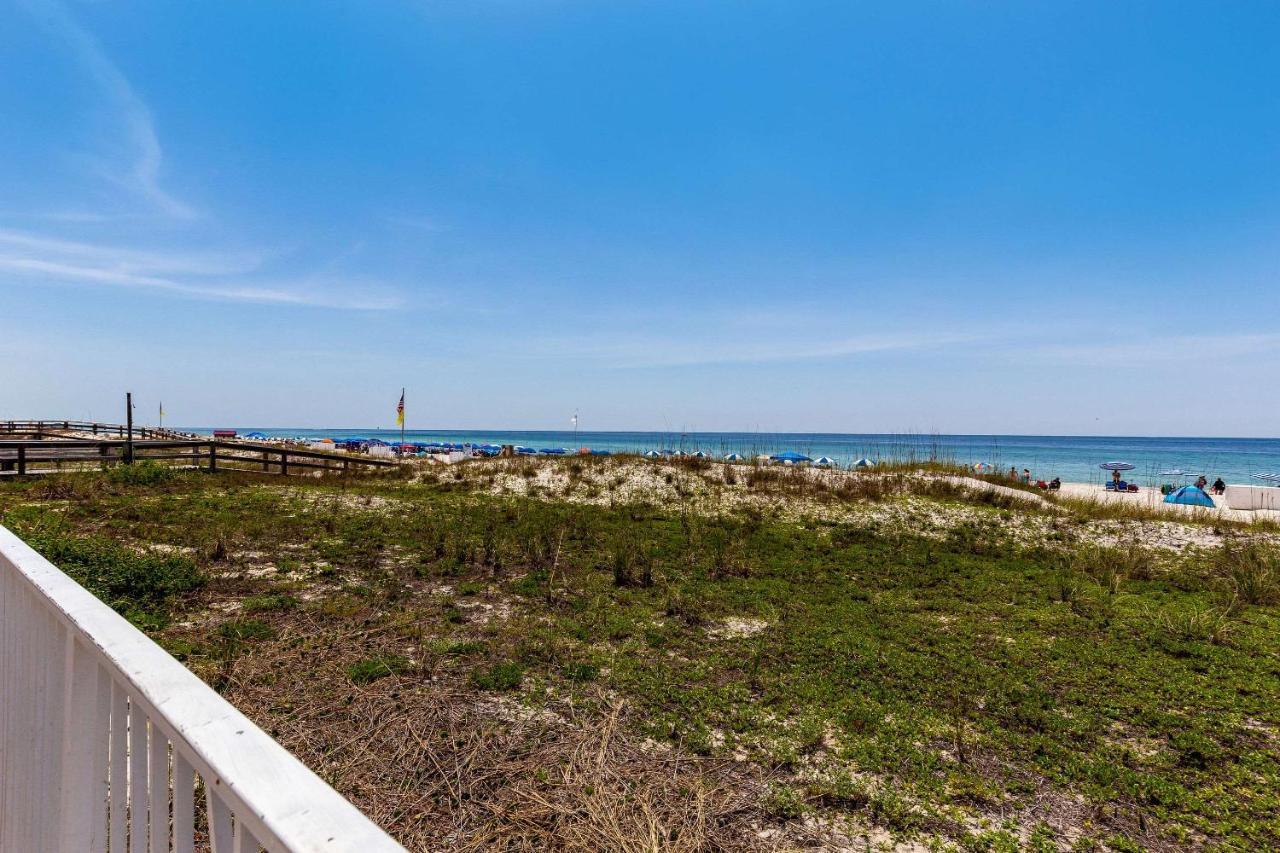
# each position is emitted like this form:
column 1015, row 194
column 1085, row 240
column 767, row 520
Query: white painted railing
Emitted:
column 109, row 744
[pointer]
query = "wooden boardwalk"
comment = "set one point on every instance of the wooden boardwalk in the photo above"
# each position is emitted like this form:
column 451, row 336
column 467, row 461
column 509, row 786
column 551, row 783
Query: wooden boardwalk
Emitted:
column 45, row 447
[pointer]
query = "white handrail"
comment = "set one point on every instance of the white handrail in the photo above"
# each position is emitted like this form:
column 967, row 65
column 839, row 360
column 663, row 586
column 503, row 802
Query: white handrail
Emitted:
column 103, row 736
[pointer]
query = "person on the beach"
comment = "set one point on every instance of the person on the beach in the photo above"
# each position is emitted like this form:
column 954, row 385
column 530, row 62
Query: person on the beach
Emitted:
column 1219, row 487
column 1026, row 476
column 1055, row 484
column 1201, row 482
column 1013, row 472
column 1115, row 477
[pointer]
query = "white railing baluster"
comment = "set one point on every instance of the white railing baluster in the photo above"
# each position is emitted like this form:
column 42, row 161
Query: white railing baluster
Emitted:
column 137, row 778
column 53, row 700
column 119, row 769
column 9, row 690
column 94, row 717
column 101, row 759
column 158, row 756
column 184, row 822
column 77, row 722
column 220, row 834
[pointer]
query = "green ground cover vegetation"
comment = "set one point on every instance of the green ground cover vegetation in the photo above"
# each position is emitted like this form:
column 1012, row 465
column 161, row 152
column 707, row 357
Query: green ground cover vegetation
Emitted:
column 956, row 688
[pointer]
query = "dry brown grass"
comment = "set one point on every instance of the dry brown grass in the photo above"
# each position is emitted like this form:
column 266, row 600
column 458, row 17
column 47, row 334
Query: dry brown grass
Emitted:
column 444, row 767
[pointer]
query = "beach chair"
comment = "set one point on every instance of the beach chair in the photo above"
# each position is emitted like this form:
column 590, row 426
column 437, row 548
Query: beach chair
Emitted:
column 1109, row 486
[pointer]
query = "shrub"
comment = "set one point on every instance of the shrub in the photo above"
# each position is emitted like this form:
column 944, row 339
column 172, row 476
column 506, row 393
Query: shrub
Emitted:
column 581, row 672
column 1110, row 567
column 501, row 676
column 1253, row 570
column 143, row 473
column 371, row 669
column 127, row 579
column 784, row 802
column 268, row 603
column 1197, row 624
column 244, row 630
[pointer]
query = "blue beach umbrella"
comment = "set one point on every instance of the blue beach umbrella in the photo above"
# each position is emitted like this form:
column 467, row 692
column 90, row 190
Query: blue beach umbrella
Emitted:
column 652, row 454
column 790, row 456
column 1189, row 496
column 258, row 436
column 824, row 462
column 864, row 462
column 733, row 457
column 1266, row 478
column 553, row 451
column 698, row 454
column 1116, row 466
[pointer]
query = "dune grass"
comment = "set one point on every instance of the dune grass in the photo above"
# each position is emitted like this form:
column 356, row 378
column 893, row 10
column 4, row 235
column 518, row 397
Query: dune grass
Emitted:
column 959, row 689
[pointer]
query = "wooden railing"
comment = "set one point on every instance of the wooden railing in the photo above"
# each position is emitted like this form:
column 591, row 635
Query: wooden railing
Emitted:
column 42, row 456
column 60, row 428
column 109, row 745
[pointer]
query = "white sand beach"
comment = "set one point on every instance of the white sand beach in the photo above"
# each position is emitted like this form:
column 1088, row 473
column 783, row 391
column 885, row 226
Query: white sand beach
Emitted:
column 1152, row 499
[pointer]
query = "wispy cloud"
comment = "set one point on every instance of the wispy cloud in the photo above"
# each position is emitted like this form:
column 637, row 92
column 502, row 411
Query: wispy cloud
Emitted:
column 132, row 261
column 1171, row 349
column 142, row 174
column 639, row 351
column 28, row 258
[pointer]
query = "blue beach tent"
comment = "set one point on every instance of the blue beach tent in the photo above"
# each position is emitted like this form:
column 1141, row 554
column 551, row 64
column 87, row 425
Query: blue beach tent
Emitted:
column 1189, row 496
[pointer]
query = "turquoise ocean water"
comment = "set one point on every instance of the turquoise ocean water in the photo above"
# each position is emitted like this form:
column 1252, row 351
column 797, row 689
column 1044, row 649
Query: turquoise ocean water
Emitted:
column 1073, row 458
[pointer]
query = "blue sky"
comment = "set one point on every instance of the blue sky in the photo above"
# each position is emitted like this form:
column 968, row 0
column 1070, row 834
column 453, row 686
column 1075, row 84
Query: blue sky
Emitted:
column 951, row 216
